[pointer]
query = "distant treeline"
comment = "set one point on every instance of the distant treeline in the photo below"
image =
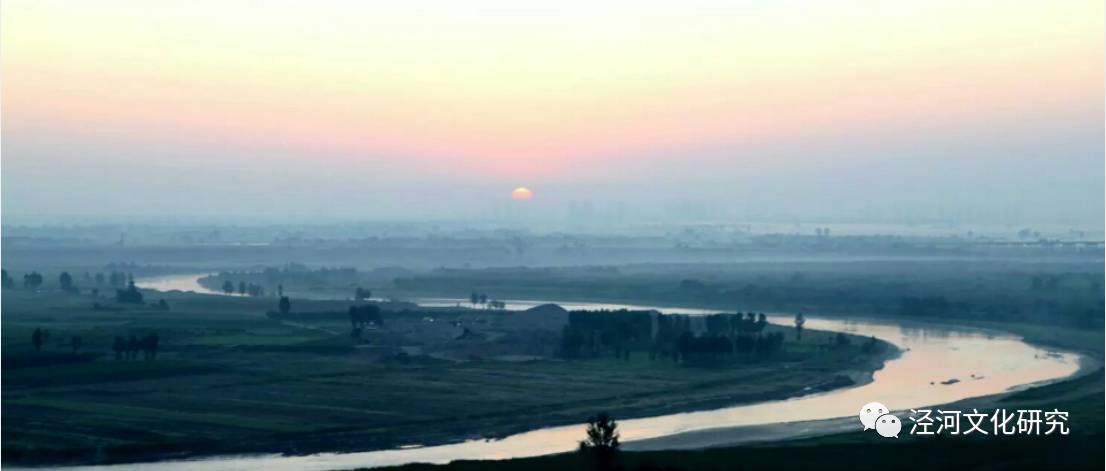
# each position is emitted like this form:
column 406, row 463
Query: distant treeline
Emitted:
column 680, row 338
column 1070, row 294
column 125, row 292
column 69, row 283
column 299, row 277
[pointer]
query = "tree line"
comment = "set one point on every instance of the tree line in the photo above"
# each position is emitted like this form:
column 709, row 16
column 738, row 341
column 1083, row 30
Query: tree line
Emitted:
column 482, row 299
column 244, row 289
column 125, row 348
column 618, row 333
column 127, row 293
column 68, row 283
column 129, row 348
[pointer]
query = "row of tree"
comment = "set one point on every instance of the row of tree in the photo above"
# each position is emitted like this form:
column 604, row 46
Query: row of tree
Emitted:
column 245, row 289
column 595, row 333
column 707, row 349
column 40, row 336
column 129, row 348
column 31, row 280
column 482, row 299
column 258, row 283
column 125, row 348
column 130, row 294
column 67, row 282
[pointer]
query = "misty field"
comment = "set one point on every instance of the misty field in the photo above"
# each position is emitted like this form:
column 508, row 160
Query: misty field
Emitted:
column 228, row 378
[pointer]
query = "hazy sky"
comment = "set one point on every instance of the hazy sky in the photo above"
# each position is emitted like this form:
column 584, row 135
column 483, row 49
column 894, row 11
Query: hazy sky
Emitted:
column 988, row 110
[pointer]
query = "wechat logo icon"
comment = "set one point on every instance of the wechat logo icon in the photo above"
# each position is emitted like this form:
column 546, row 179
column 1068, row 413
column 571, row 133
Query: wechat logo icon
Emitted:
column 875, row 415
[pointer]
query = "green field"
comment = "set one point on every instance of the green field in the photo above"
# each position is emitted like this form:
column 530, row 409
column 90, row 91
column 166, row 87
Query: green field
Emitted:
column 230, row 379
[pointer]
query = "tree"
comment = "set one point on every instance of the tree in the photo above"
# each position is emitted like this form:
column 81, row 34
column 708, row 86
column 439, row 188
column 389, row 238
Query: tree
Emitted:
column 75, row 342
column 8, row 282
column 242, row 288
column 161, row 304
column 228, row 287
column 285, row 305
column 572, row 340
column 66, row 281
column 129, row 295
column 32, row 280
column 799, row 322
column 120, row 347
column 149, row 346
column 99, row 279
column 474, row 298
column 362, row 294
column 38, row 337
column 601, row 444
column 133, row 345
column 361, row 317
column 117, row 279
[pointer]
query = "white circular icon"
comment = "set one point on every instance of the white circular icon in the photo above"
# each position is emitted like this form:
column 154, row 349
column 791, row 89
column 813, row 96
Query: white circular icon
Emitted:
column 888, row 425
column 870, row 412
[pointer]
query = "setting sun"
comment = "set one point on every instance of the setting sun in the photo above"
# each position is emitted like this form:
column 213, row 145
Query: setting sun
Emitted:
column 522, row 193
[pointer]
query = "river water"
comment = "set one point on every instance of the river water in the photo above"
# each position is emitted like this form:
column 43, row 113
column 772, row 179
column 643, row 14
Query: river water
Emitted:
column 982, row 362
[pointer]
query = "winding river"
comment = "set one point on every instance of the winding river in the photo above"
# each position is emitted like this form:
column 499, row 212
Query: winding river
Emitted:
column 981, row 362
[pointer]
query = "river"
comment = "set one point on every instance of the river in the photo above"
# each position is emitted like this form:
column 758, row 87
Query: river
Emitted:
column 982, row 362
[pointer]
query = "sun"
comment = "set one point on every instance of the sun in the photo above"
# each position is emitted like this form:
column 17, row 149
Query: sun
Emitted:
column 522, row 193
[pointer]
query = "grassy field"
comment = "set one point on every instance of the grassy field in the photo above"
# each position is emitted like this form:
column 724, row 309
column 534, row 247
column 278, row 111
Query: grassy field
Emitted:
column 230, row 379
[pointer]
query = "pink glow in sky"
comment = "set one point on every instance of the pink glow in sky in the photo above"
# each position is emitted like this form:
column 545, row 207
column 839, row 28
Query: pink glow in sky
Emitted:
column 495, row 94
